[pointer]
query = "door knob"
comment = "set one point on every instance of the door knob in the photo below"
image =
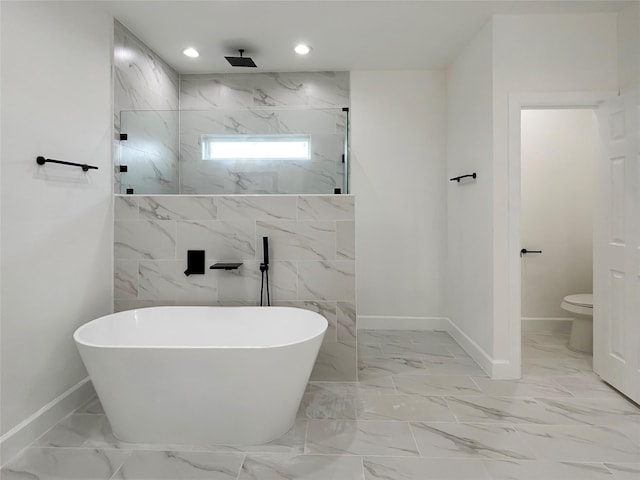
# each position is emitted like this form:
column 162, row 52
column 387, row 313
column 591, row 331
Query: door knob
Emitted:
column 524, row 250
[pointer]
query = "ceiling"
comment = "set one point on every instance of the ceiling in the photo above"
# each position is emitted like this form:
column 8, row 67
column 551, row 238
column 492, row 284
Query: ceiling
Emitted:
column 345, row 35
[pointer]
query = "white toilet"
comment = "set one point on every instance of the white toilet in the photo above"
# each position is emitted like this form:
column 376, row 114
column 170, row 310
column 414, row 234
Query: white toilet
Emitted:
column 581, row 305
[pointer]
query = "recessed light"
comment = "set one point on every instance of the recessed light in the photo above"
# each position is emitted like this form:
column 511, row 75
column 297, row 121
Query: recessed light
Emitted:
column 302, row 49
column 191, row 52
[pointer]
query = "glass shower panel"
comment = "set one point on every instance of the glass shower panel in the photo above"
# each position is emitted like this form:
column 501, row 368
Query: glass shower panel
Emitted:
column 150, row 152
column 163, row 152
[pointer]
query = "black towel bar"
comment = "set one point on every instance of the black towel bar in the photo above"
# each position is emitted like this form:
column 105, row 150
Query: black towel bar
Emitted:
column 457, row 179
column 84, row 166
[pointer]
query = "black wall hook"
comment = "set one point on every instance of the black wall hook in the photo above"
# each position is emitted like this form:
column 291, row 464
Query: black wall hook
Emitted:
column 457, row 179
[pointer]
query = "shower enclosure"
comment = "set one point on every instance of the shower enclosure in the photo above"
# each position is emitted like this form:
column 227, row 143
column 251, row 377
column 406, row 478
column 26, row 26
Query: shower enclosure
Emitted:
column 275, row 150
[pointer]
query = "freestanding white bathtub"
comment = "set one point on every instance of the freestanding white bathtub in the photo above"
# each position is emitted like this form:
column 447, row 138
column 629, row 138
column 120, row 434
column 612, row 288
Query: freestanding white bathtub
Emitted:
column 201, row 375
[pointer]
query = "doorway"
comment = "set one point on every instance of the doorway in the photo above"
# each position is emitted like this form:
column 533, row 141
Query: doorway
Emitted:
column 616, row 233
column 512, row 299
column 558, row 162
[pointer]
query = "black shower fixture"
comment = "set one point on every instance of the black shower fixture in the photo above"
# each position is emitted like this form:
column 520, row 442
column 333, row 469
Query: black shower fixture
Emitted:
column 241, row 61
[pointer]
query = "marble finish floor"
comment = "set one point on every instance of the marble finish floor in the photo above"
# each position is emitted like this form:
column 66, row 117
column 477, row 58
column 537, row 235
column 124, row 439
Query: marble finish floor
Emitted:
column 422, row 410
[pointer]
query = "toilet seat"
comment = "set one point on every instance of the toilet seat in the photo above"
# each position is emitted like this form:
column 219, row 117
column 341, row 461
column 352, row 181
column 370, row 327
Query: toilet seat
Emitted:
column 580, row 303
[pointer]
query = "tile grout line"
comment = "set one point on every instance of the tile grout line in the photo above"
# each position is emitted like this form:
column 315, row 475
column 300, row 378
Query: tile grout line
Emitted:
column 244, row 459
column 127, row 457
column 415, row 442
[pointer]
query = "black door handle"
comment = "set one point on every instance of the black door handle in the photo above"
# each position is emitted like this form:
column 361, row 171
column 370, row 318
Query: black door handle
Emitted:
column 524, row 250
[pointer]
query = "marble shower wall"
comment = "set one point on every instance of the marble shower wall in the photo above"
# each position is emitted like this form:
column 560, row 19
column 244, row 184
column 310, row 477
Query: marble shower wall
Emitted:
column 312, row 253
column 321, row 174
column 146, row 103
column 264, row 103
column 287, row 89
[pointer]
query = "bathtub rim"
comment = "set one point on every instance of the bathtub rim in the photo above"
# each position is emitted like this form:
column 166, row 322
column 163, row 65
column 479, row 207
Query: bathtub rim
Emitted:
column 78, row 331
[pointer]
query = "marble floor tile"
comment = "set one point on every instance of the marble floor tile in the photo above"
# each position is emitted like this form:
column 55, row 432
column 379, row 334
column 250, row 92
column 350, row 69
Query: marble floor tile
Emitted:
column 403, row 408
column 390, row 365
column 369, row 350
column 525, row 387
column 436, row 385
column 548, row 345
column 439, row 359
column 624, row 471
column 461, row 440
column 550, row 351
column 336, row 362
column 589, row 386
column 374, row 385
column 454, row 366
column 381, row 337
column 419, row 348
column 593, row 411
column 301, row 467
column 74, row 431
column 328, row 403
column 291, row 443
column 418, row 393
column 337, row 388
column 360, row 438
column 631, row 430
column 94, row 431
column 381, row 385
column 556, row 366
column 64, row 464
column 102, row 436
column 180, row 465
column 544, row 470
column 509, row 410
column 457, row 351
column 580, row 443
column 428, row 337
column 414, row 468
column 561, row 339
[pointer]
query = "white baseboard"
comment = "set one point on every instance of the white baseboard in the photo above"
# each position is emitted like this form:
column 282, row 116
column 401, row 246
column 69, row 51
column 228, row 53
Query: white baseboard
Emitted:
column 383, row 322
column 474, row 350
column 32, row 428
column 546, row 324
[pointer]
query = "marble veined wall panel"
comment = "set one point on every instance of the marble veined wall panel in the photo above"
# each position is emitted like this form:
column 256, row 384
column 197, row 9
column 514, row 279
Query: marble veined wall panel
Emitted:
column 263, row 104
column 320, row 174
column 312, row 251
column 143, row 81
column 317, row 89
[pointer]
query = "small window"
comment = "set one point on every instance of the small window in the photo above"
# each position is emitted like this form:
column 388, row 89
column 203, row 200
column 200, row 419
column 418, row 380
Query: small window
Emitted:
column 256, row 147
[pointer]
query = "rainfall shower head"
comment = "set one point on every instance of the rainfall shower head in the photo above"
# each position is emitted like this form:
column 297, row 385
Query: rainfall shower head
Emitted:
column 241, row 61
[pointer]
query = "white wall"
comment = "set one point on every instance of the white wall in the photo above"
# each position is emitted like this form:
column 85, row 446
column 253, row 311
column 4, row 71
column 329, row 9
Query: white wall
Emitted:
column 56, row 220
column 470, row 149
column 538, row 53
column 398, row 155
column 558, row 189
column 511, row 55
column 629, row 47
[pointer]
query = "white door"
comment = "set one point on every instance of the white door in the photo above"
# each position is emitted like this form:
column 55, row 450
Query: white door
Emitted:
column 616, row 353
